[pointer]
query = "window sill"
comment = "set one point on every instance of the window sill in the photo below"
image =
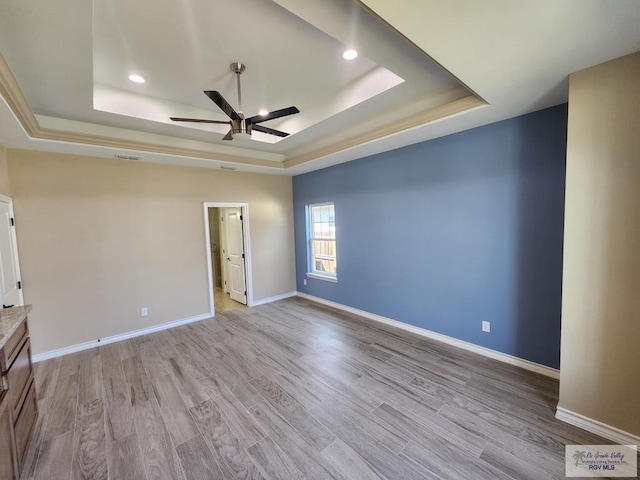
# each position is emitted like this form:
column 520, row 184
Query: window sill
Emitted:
column 326, row 278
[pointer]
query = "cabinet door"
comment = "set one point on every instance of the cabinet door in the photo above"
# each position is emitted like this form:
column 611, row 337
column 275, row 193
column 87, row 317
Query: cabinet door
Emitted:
column 7, row 464
column 19, row 377
column 23, row 427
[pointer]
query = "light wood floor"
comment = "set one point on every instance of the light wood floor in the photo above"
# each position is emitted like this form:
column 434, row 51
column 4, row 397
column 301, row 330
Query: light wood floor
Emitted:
column 293, row 390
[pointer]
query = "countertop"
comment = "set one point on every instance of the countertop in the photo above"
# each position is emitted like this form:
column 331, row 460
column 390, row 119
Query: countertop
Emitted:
column 10, row 319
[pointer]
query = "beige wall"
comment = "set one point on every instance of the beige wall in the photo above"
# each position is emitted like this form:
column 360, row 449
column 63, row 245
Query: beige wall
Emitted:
column 4, row 173
column 101, row 238
column 600, row 354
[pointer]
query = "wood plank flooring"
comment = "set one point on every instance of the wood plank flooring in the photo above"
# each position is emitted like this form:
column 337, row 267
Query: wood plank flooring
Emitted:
column 293, row 390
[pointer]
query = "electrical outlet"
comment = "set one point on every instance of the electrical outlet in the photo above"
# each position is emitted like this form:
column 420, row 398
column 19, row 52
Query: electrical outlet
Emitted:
column 304, row 281
column 144, row 311
column 486, row 326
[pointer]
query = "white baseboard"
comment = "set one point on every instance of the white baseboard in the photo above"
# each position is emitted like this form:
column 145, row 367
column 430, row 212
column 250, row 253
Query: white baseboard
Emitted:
column 607, row 431
column 275, row 298
column 487, row 352
column 136, row 333
column 116, row 338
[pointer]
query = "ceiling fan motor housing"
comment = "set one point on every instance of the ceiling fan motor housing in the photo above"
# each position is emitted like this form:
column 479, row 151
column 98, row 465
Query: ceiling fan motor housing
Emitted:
column 241, row 126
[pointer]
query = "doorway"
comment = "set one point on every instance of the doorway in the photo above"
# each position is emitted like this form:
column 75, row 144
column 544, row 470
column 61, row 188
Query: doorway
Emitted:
column 228, row 262
column 10, row 283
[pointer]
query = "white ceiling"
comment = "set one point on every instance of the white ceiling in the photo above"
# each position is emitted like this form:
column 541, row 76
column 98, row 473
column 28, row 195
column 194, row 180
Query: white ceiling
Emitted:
column 426, row 68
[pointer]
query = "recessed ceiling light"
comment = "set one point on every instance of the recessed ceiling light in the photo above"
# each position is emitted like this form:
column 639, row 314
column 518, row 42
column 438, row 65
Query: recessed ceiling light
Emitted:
column 349, row 54
column 263, row 112
column 135, row 78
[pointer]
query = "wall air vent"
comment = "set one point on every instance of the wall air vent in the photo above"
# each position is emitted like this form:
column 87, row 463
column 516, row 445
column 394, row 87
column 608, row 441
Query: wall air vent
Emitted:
column 126, row 157
column 224, row 167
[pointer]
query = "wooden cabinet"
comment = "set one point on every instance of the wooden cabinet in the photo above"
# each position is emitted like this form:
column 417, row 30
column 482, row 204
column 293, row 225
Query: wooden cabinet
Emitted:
column 7, row 461
column 18, row 411
column 23, row 426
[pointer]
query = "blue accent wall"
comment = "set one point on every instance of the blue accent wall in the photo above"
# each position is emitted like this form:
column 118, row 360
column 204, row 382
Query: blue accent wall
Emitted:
column 446, row 233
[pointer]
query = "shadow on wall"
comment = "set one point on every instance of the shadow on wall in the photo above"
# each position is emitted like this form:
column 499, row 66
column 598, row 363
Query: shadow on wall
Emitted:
column 539, row 240
column 450, row 232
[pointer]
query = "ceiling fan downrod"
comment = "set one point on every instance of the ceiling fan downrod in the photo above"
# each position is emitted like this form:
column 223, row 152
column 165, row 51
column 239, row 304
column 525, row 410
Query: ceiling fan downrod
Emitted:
column 239, row 128
column 238, row 68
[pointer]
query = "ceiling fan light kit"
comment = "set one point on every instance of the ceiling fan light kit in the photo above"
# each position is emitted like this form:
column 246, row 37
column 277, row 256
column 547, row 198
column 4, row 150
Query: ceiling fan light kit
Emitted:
column 241, row 127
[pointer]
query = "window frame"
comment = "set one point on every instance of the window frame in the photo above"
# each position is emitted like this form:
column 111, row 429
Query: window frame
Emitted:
column 311, row 257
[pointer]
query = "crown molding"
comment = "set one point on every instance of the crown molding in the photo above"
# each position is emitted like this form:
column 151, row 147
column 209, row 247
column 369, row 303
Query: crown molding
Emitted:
column 465, row 104
column 17, row 102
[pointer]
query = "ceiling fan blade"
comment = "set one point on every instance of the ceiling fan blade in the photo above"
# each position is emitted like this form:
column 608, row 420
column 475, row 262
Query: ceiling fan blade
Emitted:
column 223, row 104
column 228, row 136
column 198, row 120
column 271, row 131
column 273, row 115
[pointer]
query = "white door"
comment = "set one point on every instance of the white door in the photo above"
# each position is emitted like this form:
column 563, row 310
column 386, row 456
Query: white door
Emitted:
column 10, row 288
column 234, row 250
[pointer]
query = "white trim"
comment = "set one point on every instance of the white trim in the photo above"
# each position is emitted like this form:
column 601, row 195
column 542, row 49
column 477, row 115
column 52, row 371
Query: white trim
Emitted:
column 207, row 239
column 607, row 431
column 313, row 273
column 247, row 261
column 487, row 352
column 14, row 240
column 326, row 278
column 116, row 338
column 275, row 298
column 244, row 208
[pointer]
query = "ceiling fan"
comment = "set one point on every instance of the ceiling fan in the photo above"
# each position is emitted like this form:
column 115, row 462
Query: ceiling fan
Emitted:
column 241, row 127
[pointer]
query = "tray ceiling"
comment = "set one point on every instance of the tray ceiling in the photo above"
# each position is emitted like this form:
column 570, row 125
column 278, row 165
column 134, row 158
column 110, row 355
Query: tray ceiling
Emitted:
column 64, row 68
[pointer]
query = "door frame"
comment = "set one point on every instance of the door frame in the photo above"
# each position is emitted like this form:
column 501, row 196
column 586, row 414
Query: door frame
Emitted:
column 14, row 240
column 244, row 208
